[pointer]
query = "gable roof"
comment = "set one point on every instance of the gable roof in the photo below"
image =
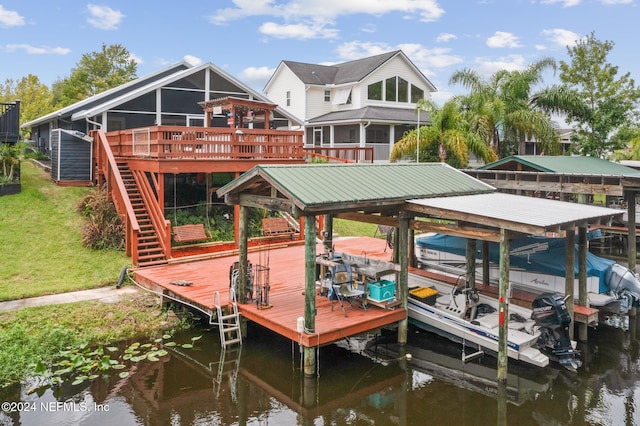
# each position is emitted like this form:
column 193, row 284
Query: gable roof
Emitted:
column 346, row 72
column 110, row 99
column 562, row 164
column 331, row 188
column 109, row 94
column 373, row 113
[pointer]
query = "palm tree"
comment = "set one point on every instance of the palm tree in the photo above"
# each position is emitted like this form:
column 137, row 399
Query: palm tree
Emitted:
column 505, row 112
column 448, row 138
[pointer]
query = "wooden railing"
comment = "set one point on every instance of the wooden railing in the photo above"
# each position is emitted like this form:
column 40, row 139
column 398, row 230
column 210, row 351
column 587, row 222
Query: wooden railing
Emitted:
column 347, row 154
column 210, row 143
column 9, row 122
column 109, row 174
column 161, row 225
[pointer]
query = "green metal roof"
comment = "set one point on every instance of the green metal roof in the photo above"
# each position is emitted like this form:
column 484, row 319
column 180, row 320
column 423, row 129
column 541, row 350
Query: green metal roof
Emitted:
column 563, row 164
column 332, row 186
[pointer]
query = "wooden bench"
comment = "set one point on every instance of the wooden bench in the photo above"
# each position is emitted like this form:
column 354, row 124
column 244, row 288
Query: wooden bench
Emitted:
column 273, row 226
column 189, row 233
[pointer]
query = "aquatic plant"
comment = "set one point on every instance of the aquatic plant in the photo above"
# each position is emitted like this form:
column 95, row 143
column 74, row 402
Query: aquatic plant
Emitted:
column 81, row 363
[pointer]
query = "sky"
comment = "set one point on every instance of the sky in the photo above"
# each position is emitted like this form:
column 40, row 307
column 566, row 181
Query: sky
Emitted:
column 249, row 38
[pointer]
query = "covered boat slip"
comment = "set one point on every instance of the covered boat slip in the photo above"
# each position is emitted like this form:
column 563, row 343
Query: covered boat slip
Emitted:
column 427, row 197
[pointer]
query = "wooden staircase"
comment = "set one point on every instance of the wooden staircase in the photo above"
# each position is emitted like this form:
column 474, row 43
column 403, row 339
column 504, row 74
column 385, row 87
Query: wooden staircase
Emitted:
column 150, row 251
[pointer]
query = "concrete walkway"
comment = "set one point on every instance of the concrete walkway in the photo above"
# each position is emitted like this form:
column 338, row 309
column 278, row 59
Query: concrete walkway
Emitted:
column 104, row 294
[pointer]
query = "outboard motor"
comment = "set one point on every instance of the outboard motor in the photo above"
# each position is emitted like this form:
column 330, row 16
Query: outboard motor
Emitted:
column 624, row 284
column 551, row 315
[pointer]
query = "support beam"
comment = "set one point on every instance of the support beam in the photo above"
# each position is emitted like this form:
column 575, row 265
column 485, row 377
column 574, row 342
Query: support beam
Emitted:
column 582, row 279
column 401, row 248
column 310, row 292
column 630, row 196
column 243, row 257
column 486, row 264
column 471, row 263
column 503, row 306
column 570, row 272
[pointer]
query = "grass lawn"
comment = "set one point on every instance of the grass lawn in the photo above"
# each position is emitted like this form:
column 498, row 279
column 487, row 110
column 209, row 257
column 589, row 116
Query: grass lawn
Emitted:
column 41, row 249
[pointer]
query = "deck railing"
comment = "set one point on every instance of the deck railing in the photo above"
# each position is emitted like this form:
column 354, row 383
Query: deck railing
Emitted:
column 9, row 122
column 343, row 154
column 109, row 175
column 210, row 143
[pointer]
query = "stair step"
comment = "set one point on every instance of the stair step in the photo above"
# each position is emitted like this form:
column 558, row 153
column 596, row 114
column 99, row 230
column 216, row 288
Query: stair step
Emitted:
column 226, row 317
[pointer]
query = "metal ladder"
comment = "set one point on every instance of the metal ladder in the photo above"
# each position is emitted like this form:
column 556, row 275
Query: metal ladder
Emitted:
column 229, row 324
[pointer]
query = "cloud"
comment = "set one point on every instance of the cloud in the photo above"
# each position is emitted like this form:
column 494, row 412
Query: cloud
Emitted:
column 487, row 67
column 193, row 60
column 137, row 59
column 32, row 50
column 560, row 37
column 103, row 17
column 293, row 10
column 503, row 39
column 445, row 37
column 608, row 2
column 565, row 3
column 297, row 31
column 9, row 18
column 256, row 76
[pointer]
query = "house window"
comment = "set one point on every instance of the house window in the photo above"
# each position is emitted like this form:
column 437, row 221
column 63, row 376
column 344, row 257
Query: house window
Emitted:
column 403, row 90
column 288, row 98
column 342, row 96
column 374, row 91
column 327, row 95
column 390, row 90
column 416, row 94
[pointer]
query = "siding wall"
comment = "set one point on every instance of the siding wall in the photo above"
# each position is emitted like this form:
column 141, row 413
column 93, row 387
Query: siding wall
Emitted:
column 70, row 157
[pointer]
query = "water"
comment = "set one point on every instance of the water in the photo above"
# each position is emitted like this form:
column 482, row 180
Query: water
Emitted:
column 262, row 384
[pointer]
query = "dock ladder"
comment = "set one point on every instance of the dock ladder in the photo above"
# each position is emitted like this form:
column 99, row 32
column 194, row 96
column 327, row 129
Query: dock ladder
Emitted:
column 228, row 324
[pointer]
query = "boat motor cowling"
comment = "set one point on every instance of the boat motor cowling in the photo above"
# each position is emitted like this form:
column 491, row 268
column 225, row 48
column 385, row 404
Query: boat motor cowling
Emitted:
column 550, row 313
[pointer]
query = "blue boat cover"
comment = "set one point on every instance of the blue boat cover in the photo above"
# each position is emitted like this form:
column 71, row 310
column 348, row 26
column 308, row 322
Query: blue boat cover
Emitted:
column 529, row 253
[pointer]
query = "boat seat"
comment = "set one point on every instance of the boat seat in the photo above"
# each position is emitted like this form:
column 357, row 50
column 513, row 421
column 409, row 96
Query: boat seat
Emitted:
column 488, row 321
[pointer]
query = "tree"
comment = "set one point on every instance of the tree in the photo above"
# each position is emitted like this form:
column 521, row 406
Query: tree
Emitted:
column 506, row 111
column 448, row 138
column 609, row 100
column 629, row 138
column 95, row 73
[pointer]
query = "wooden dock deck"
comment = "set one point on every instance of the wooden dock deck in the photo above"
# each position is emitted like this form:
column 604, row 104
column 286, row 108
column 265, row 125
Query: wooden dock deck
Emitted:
column 286, row 296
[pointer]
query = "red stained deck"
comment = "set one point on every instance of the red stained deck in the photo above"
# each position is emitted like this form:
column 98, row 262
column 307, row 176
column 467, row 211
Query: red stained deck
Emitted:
column 286, row 297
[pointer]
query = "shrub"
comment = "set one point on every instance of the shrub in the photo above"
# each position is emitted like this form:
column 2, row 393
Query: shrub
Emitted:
column 104, row 228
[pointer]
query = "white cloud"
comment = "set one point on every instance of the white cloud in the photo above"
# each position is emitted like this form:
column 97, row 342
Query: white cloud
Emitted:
column 487, row 67
column 256, row 76
column 298, row 31
column 103, row 17
column 565, row 3
column 445, row 37
column 503, row 39
column 561, row 38
column 292, row 10
column 137, row 59
column 607, row 2
column 429, row 58
column 32, row 50
column 9, row 18
column 193, row 60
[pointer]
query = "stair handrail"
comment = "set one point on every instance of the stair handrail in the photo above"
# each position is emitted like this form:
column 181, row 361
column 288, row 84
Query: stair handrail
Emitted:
column 119, row 193
column 160, row 224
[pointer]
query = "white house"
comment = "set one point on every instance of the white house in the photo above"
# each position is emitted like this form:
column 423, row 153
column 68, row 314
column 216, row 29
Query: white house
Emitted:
column 368, row 102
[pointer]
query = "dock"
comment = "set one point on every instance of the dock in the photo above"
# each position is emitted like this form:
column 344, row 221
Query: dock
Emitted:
column 286, row 296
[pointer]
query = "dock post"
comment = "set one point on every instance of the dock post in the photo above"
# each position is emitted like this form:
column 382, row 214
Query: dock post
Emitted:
column 485, row 262
column 401, row 248
column 570, row 272
column 630, row 196
column 582, row 279
column 471, row 263
column 505, row 243
column 243, row 257
column 310, row 292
